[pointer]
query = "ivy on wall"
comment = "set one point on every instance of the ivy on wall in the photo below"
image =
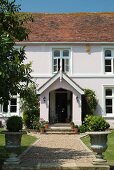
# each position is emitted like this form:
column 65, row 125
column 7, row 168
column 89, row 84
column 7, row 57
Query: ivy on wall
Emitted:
column 89, row 103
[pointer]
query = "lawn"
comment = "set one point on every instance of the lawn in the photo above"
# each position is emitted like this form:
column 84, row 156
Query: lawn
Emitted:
column 27, row 140
column 109, row 154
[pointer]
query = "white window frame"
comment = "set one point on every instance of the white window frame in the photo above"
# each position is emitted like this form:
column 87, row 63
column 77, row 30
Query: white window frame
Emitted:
column 61, row 57
column 109, row 58
column 9, row 113
column 109, row 97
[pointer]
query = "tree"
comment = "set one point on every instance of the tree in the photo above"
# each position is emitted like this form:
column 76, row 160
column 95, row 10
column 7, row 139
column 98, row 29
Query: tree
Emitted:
column 30, row 106
column 14, row 74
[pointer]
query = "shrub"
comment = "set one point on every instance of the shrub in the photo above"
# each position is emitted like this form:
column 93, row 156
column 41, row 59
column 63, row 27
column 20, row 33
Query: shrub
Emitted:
column 30, row 106
column 14, row 124
column 96, row 123
column 29, row 116
column 82, row 128
column 91, row 101
column 75, row 126
column 36, row 123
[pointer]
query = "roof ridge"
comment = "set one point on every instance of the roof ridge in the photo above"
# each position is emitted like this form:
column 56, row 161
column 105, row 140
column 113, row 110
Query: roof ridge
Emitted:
column 69, row 13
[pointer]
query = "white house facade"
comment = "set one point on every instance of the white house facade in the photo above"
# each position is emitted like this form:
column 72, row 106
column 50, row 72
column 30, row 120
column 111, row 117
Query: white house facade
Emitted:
column 70, row 53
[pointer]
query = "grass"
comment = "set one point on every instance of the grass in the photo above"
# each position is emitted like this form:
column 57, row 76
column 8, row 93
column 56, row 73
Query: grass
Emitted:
column 109, row 154
column 27, row 140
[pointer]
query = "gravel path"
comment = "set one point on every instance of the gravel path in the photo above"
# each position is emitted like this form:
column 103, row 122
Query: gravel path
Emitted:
column 57, row 149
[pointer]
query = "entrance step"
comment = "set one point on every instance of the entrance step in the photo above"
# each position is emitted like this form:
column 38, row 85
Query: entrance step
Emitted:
column 60, row 128
column 51, row 166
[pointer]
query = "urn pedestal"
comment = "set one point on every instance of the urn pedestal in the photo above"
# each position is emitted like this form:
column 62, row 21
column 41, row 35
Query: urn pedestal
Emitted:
column 12, row 143
column 99, row 145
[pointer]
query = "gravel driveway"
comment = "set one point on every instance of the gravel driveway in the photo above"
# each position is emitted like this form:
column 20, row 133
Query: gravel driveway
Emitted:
column 59, row 150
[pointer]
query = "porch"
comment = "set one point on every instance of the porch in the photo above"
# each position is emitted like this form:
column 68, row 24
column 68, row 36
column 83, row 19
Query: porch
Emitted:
column 61, row 100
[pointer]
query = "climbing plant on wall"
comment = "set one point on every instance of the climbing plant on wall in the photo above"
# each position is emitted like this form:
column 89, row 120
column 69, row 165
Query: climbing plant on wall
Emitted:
column 89, row 103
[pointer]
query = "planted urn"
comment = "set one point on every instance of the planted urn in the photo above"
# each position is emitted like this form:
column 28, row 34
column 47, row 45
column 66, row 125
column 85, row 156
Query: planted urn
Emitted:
column 98, row 132
column 14, row 132
column 13, row 137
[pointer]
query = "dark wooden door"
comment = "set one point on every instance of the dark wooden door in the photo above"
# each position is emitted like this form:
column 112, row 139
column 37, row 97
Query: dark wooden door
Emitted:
column 61, row 107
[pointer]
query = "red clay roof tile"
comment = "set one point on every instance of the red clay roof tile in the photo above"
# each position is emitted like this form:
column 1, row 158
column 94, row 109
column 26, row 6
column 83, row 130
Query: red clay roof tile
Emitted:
column 77, row 27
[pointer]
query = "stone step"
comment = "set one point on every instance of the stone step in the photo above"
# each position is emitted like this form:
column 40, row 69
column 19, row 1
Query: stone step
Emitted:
column 60, row 125
column 57, row 167
column 59, row 130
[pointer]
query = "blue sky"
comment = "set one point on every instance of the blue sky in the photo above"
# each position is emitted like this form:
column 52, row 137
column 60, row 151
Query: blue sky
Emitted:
column 64, row 6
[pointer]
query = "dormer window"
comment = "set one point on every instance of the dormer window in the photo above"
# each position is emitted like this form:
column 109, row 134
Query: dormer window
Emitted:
column 61, row 59
column 109, row 61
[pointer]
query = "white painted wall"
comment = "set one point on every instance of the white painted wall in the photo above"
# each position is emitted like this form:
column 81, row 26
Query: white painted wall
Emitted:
column 84, row 63
column 40, row 56
column 76, row 109
column 87, row 70
column 81, row 61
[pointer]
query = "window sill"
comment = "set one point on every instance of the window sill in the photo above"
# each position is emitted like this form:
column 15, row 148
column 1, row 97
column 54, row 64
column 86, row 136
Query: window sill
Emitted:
column 109, row 116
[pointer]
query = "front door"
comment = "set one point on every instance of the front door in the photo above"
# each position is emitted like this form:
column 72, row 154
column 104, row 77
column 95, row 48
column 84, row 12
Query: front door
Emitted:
column 61, row 107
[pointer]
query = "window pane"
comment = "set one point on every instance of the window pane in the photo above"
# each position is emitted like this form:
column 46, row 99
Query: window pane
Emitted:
column 55, row 61
column 108, row 102
column 0, row 108
column 66, row 53
column 108, row 105
column 13, row 101
column 67, row 65
column 108, row 109
column 67, row 68
column 13, row 105
column 5, row 108
column 13, row 108
column 56, row 53
column 67, row 61
column 58, row 64
column 108, row 92
column 63, row 65
column 55, row 68
column 107, row 53
column 108, row 66
column 107, row 62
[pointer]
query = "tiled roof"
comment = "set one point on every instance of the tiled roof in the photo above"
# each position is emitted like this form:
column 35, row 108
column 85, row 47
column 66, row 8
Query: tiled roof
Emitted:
column 77, row 27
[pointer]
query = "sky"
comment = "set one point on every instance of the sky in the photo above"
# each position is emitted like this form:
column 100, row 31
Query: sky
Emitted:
column 66, row 6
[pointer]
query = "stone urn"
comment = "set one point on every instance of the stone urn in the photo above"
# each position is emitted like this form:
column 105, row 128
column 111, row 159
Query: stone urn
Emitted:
column 13, row 139
column 14, row 125
column 12, row 143
column 99, row 145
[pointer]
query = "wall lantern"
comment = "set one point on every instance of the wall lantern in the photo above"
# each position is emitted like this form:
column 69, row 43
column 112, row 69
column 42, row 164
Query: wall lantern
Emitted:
column 77, row 98
column 44, row 99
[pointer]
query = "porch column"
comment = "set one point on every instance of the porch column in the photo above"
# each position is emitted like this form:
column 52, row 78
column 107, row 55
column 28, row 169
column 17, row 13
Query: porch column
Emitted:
column 44, row 106
column 76, row 109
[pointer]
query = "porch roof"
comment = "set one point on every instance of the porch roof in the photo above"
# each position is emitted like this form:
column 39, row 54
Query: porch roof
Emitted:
column 61, row 76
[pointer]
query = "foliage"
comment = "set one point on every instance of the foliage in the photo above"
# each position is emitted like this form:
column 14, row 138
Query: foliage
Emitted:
column 30, row 106
column 76, row 126
column 36, row 124
column 14, row 124
column 14, row 74
column 91, row 101
column 96, row 123
column 72, row 123
column 82, row 128
column 42, row 123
